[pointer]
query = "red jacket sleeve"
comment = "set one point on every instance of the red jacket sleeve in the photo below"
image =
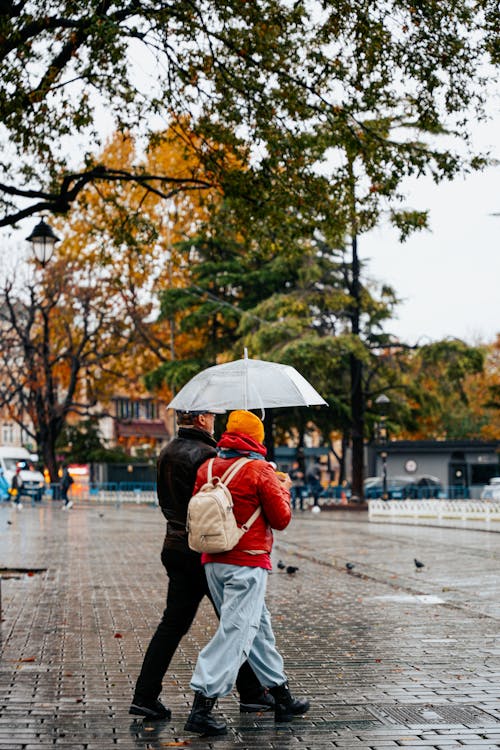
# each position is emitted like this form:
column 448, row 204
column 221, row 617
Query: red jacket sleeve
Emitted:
column 274, row 498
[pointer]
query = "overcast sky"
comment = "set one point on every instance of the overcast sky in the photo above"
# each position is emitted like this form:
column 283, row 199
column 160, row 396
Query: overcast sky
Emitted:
column 449, row 278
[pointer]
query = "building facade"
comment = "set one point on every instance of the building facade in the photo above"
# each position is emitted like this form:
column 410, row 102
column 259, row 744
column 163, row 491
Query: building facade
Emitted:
column 467, row 464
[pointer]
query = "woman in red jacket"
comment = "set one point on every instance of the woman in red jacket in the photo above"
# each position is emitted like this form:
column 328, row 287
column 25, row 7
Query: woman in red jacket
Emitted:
column 237, row 580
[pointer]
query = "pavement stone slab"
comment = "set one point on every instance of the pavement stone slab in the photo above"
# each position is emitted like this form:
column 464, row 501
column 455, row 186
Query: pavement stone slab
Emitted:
column 389, row 657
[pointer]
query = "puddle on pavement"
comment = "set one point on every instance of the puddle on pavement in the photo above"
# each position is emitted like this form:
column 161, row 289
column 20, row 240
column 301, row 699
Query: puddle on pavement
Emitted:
column 411, row 598
column 20, row 572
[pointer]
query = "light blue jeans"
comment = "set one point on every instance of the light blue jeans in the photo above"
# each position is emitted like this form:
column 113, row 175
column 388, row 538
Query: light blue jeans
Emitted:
column 244, row 632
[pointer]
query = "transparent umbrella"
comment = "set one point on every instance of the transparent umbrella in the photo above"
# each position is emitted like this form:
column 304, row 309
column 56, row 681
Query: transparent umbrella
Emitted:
column 246, row 384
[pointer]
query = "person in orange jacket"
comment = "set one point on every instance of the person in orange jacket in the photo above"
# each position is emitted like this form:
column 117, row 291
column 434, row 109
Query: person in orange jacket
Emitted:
column 187, row 586
column 237, row 581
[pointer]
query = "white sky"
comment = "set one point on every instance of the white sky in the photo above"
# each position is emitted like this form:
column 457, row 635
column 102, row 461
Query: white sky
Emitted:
column 448, row 278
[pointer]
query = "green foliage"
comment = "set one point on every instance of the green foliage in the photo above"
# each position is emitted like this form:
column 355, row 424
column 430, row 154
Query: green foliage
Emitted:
column 286, row 84
column 82, row 444
column 449, row 362
column 436, row 391
column 409, row 221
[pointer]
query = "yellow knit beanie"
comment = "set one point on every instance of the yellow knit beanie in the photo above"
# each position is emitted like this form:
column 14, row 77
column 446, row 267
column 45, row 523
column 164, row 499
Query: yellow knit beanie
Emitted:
column 246, row 422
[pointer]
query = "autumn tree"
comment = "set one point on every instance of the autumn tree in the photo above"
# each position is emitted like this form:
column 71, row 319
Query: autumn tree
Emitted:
column 451, row 392
column 83, row 329
column 434, row 399
column 484, row 392
column 57, row 338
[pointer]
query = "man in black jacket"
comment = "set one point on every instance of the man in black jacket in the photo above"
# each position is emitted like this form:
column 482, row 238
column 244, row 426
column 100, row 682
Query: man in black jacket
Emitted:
column 177, row 467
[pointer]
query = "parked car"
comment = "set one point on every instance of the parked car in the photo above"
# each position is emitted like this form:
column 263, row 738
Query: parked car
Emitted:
column 427, row 486
column 491, row 491
column 402, row 488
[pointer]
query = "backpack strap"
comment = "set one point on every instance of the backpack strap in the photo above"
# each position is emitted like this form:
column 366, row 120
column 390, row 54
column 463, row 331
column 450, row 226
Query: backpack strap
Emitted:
column 210, row 467
column 226, row 478
column 253, row 517
column 229, row 473
column 234, row 469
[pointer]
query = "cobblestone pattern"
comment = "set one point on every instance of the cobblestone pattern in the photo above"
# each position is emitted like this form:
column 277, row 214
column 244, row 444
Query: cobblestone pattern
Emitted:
column 384, row 665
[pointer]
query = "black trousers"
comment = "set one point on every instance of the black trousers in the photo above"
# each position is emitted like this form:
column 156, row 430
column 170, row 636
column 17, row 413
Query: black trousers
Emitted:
column 187, row 586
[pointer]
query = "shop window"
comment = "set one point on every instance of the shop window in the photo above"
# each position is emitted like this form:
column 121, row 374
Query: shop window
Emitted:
column 150, row 410
column 127, row 409
column 7, row 433
column 482, row 473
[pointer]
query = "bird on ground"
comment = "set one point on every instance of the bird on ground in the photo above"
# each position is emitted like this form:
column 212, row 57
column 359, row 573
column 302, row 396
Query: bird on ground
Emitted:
column 291, row 569
column 350, row 565
column 281, row 565
column 419, row 565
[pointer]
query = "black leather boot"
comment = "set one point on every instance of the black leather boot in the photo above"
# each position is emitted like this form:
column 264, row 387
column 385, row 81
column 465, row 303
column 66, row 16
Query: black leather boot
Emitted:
column 151, row 709
column 200, row 720
column 285, row 705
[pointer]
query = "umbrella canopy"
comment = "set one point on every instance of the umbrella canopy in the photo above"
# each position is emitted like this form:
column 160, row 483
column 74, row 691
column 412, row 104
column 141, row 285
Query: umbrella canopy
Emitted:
column 246, row 384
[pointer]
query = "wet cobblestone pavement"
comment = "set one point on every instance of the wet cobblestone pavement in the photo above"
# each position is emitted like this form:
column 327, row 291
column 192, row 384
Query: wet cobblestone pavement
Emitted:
column 389, row 656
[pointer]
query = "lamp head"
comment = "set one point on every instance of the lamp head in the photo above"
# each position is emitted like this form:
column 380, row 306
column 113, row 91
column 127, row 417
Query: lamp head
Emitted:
column 43, row 240
column 382, row 402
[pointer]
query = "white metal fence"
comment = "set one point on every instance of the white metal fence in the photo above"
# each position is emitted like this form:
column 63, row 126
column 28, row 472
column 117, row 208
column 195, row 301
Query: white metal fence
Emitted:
column 464, row 510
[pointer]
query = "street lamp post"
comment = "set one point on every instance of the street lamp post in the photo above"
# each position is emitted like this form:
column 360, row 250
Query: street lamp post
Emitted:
column 43, row 241
column 382, row 438
column 383, row 456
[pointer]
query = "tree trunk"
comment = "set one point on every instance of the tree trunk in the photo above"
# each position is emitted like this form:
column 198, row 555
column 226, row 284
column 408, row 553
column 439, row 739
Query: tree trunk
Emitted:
column 356, row 366
column 357, row 428
column 47, row 437
column 269, row 433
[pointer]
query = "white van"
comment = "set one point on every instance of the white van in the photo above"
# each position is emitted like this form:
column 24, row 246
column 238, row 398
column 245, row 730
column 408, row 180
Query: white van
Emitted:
column 491, row 491
column 33, row 480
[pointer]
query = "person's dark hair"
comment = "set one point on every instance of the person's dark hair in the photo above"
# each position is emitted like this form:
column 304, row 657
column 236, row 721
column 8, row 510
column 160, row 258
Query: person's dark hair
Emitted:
column 187, row 418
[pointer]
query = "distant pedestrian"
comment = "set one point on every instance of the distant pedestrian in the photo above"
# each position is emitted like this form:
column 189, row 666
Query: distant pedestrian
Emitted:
column 16, row 487
column 298, row 489
column 313, row 477
column 66, row 482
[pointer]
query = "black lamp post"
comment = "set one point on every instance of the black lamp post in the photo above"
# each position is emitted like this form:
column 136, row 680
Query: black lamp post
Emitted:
column 43, row 240
column 382, row 438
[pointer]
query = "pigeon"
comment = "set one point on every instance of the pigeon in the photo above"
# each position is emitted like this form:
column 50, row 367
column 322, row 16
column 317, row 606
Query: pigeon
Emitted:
column 281, row 565
column 419, row 564
column 291, row 569
column 350, row 566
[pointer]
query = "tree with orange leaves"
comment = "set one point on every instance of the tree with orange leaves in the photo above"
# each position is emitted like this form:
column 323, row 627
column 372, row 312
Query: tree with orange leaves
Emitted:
column 83, row 328
column 57, row 334
column 438, row 393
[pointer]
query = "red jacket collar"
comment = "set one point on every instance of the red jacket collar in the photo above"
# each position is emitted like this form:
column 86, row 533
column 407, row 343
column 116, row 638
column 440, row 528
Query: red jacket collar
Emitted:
column 238, row 441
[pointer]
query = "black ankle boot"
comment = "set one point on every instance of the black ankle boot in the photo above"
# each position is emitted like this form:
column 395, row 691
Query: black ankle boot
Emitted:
column 285, row 705
column 151, row 709
column 200, row 720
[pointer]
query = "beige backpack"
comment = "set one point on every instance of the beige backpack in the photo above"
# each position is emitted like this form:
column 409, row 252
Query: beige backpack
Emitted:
column 211, row 524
